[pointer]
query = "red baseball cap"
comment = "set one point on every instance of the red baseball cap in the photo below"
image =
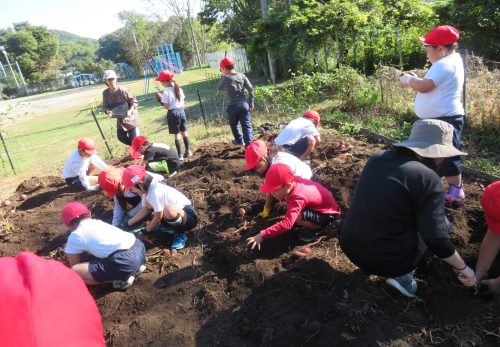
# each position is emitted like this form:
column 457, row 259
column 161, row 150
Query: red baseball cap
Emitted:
column 165, row 76
column 73, row 210
column 491, row 206
column 442, row 35
column 110, row 179
column 45, row 303
column 255, row 150
column 87, row 144
column 225, row 62
column 312, row 114
column 133, row 175
column 137, row 142
column 277, row 176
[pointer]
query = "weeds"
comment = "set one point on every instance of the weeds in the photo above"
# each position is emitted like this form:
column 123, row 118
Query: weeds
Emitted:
column 6, row 227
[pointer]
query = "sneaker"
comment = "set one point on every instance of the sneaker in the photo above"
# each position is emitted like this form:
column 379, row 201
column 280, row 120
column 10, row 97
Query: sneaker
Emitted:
column 123, row 285
column 140, row 271
column 236, row 143
column 405, row 284
column 306, row 234
column 188, row 154
column 181, row 157
column 179, row 241
column 454, row 197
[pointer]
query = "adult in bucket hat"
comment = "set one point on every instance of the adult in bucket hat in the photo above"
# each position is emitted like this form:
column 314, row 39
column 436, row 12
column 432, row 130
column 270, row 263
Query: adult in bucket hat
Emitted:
column 439, row 97
column 490, row 246
column 45, row 304
column 397, row 217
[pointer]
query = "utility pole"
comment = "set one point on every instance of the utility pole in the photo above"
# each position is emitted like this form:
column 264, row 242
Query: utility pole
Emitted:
column 2, row 48
column 192, row 33
column 270, row 55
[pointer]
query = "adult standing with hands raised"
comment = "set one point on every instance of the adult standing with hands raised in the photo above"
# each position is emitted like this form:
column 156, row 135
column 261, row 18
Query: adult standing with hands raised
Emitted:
column 439, row 97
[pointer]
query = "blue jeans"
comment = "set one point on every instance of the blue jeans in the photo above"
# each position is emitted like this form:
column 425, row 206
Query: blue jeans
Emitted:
column 239, row 114
column 126, row 137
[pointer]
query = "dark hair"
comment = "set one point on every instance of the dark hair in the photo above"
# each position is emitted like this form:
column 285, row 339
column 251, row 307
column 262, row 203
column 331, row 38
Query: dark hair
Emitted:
column 230, row 67
column 177, row 89
column 145, row 183
column 78, row 219
column 452, row 46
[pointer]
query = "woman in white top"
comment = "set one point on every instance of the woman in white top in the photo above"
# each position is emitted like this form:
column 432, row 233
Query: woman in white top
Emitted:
column 172, row 99
column 439, row 97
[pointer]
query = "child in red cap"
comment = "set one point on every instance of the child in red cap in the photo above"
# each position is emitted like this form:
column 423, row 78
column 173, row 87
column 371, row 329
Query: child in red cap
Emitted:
column 309, row 205
column 491, row 242
column 170, row 207
column 259, row 159
column 111, row 184
column 157, row 157
column 45, row 304
column 238, row 109
column 83, row 164
column 301, row 135
column 120, row 256
column 172, row 99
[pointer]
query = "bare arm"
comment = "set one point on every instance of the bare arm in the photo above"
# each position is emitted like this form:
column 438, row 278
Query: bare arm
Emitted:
column 421, row 85
column 155, row 221
column 143, row 212
column 487, row 253
column 73, row 259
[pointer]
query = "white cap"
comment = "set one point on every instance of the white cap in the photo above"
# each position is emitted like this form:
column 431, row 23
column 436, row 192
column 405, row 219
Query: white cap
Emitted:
column 109, row 74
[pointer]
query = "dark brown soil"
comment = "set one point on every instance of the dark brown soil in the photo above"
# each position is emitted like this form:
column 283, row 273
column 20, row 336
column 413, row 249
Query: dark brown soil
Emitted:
column 218, row 292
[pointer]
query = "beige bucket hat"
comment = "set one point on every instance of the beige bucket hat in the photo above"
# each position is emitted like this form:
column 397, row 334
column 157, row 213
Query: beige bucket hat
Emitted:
column 431, row 138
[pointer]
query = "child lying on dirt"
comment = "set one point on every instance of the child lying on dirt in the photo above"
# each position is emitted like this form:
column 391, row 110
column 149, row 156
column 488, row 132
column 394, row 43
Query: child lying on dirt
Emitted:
column 120, row 255
column 81, row 167
column 259, row 158
column 170, row 207
column 309, row 205
column 157, row 157
column 490, row 201
column 301, row 135
column 110, row 182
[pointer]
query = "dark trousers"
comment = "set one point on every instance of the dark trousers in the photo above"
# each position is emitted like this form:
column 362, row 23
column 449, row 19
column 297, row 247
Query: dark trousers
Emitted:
column 453, row 166
column 239, row 114
column 126, row 136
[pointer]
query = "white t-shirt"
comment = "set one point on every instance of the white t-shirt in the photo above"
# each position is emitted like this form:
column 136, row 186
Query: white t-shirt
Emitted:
column 299, row 168
column 159, row 195
column 168, row 97
column 444, row 100
column 295, row 130
column 118, row 211
column 75, row 166
column 98, row 238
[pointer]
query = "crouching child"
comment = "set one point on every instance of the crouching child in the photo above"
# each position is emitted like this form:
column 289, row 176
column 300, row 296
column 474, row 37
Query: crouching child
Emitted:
column 120, row 256
column 157, row 157
column 309, row 205
column 170, row 207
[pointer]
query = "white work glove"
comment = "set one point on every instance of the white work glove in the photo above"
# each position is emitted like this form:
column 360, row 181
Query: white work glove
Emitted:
column 466, row 276
column 405, row 79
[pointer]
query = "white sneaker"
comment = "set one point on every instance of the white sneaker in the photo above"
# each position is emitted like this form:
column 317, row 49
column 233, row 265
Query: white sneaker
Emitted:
column 140, row 271
column 181, row 157
column 123, row 285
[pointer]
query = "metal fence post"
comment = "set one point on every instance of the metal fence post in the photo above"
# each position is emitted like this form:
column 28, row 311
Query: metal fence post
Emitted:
column 102, row 134
column 7, row 152
column 202, row 110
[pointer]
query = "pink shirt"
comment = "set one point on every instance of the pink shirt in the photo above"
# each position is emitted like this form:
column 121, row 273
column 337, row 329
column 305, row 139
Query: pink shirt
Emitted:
column 304, row 194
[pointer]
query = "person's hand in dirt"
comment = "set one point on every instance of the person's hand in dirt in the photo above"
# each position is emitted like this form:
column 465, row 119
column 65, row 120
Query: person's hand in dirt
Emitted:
column 492, row 285
column 255, row 241
column 265, row 212
column 466, row 276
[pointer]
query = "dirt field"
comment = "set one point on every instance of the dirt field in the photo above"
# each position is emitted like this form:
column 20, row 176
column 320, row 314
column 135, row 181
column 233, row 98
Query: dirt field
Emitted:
column 216, row 292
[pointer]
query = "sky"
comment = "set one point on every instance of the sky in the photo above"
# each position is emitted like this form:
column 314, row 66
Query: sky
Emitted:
column 87, row 18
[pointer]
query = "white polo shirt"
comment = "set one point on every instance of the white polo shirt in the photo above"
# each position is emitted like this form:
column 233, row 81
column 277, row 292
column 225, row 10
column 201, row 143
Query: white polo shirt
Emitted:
column 295, row 130
column 299, row 168
column 160, row 195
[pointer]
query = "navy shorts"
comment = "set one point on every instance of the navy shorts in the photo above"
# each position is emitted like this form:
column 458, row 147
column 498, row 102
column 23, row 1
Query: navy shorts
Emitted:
column 191, row 220
column 453, row 166
column 299, row 147
column 74, row 183
column 118, row 265
column 316, row 217
column 176, row 120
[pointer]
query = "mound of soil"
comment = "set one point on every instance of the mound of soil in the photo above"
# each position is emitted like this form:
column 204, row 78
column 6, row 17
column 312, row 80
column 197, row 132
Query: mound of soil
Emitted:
column 218, row 292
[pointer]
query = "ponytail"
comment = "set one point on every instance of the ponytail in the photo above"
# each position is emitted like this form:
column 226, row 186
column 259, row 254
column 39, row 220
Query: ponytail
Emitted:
column 177, row 90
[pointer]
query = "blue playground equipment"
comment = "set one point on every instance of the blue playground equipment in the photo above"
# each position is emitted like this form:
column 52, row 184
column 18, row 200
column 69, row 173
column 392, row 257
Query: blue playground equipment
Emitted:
column 83, row 79
column 124, row 71
column 164, row 59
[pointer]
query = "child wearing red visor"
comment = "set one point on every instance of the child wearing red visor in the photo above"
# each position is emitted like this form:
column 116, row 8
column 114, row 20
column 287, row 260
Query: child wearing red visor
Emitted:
column 309, row 205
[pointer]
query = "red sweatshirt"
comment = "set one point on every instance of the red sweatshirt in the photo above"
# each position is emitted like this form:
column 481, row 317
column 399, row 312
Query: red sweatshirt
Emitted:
column 304, row 194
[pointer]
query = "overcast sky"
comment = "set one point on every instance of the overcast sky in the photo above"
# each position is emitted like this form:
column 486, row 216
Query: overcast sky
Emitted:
column 87, row 18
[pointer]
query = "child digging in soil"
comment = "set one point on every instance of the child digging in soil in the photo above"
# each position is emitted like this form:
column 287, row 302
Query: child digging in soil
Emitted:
column 110, row 182
column 301, row 135
column 259, row 158
column 490, row 201
column 157, row 157
column 170, row 207
column 173, row 100
column 81, row 167
column 238, row 109
column 120, row 255
column 309, row 205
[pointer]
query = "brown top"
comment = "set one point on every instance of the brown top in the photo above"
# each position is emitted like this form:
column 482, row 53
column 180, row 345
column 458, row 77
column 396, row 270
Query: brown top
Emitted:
column 120, row 96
